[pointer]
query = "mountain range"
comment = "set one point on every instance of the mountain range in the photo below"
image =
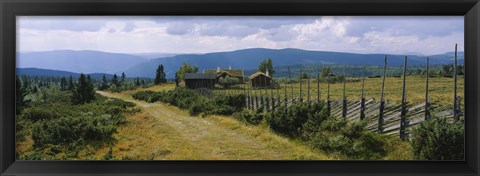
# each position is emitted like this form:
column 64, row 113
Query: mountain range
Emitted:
column 247, row 59
column 84, row 61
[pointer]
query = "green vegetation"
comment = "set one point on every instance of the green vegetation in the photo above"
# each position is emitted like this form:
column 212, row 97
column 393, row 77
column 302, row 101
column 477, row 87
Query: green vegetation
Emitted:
column 160, row 76
column 59, row 129
column 194, row 102
column 84, row 91
column 438, row 139
column 228, row 81
column 186, row 68
column 266, row 65
column 311, row 124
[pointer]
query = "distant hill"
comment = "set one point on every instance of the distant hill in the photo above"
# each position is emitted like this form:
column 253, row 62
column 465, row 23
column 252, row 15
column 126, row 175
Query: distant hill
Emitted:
column 250, row 58
column 78, row 61
column 58, row 73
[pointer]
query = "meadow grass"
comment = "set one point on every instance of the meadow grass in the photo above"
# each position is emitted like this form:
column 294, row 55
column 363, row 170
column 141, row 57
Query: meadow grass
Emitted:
column 440, row 89
column 164, row 132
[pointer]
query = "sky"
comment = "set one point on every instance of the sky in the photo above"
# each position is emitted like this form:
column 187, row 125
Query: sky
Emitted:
column 421, row 35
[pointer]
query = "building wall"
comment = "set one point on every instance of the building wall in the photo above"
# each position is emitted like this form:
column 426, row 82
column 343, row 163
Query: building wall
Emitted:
column 200, row 83
column 261, row 81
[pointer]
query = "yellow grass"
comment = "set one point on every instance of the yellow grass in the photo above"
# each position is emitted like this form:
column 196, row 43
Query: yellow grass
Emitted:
column 440, row 90
column 164, row 132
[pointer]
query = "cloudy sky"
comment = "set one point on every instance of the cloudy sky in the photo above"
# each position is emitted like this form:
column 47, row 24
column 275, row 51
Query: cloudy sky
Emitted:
column 197, row 34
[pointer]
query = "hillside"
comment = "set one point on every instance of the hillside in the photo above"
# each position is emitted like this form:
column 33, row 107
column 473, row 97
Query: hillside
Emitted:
column 78, row 61
column 58, row 73
column 250, row 58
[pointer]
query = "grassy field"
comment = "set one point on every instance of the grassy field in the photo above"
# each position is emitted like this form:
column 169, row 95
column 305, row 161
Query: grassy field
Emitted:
column 164, row 132
column 440, row 89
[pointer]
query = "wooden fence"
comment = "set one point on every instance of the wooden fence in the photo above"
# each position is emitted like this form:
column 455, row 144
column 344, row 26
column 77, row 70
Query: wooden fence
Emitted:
column 386, row 117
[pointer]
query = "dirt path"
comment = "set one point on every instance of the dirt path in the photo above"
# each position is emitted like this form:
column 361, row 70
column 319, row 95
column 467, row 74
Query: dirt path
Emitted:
column 161, row 131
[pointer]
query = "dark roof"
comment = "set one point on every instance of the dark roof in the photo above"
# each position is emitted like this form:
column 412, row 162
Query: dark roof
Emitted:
column 258, row 74
column 199, row 76
column 232, row 73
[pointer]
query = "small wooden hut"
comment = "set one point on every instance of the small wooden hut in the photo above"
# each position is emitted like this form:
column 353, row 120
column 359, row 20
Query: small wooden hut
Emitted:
column 194, row 80
column 260, row 80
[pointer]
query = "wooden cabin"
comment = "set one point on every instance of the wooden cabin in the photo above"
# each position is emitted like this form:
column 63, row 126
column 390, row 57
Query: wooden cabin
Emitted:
column 195, row 80
column 222, row 73
column 260, row 80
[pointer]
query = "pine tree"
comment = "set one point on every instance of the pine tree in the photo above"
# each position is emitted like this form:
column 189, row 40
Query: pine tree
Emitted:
column 20, row 94
column 124, row 78
column 104, row 84
column 71, row 85
column 115, row 80
column 63, row 84
column 84, row 91
column 137, row 82
column 160, row 76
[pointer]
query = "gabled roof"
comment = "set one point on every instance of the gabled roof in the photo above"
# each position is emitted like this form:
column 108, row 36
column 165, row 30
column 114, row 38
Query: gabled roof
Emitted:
column 199, row 76
column 258, row 73
column 232, row 73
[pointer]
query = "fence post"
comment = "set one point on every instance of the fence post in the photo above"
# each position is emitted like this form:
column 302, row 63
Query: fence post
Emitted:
column 318, row 87
column 344, row 108
column 286, row 98
column 290, row 82
column 427, row 104
column 272, row 98
column 278, row 93
column 308, row 90
column 382, row 100
column 328, row 94
column 256, row 103
column 300, row 79
column 456, row 110
column 403, row 115
column 362, row 103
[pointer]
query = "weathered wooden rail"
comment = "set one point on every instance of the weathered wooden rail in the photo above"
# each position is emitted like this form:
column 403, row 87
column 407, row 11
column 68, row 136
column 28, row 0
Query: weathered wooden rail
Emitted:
column 381, row 115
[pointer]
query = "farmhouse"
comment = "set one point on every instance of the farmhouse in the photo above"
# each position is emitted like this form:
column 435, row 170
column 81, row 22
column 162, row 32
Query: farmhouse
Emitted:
column 222, row 73
column 194, row 80
column 260, row 80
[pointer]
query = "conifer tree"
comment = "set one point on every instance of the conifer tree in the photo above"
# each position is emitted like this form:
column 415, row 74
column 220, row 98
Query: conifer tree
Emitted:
column 124, row 78
column 71, row 85
column 104, row 84
column 63, row 84
column 84, row 91
column 20, row 94
column 160, row 76
column 137, row 82
column 115, row 80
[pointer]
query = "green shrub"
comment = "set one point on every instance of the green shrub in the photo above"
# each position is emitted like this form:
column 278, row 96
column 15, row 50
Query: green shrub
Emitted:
column 195, row 103
column 249, row 116
column 196, row 108
column 437, row 139
column 40, row 113
column 289, row 121
column 348, row 140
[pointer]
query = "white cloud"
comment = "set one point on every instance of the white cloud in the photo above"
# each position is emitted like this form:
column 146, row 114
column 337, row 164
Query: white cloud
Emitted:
column 397, row 35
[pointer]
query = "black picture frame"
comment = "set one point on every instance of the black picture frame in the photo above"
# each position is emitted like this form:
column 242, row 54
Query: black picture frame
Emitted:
column 9, row 9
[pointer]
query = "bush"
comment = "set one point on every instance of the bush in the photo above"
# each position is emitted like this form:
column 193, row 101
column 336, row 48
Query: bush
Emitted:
column 235, row 101
column 437, row 139
column 195, row 103
column 289, row 121
column 336, row 136
column 66, row 130
column 40, row 113
column 228, row 81
column 249, row 116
